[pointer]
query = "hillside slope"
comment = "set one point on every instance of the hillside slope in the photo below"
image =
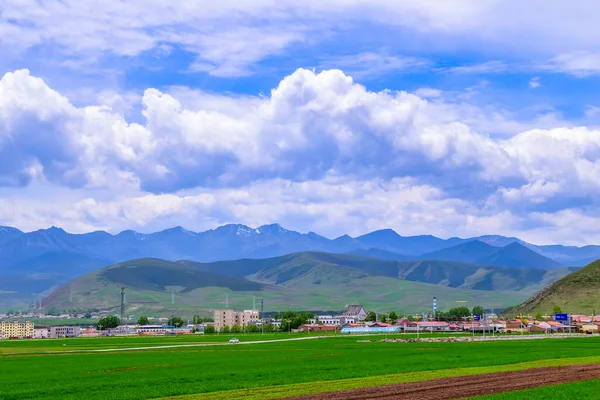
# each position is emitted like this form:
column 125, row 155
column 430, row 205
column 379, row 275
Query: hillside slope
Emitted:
column 480, row 253
column 296, row 284
column 575, row 293
column 307, row 279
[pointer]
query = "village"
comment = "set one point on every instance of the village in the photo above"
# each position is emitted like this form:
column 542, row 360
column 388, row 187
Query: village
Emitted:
column 355, row 320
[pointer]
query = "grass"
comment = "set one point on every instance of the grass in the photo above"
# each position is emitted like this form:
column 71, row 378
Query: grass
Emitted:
column 566, row 391
column 332, row 282
column 27, row 372
column 276, row 392
column 575, row 293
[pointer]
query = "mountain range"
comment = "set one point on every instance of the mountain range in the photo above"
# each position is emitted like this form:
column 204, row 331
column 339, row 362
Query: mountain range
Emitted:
column 301, row 280
column 36, row 262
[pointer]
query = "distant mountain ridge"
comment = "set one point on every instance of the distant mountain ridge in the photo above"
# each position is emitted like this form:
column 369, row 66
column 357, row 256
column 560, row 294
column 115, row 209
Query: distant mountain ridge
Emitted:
column 237, row 241
column 477, row 252
column 62, row 256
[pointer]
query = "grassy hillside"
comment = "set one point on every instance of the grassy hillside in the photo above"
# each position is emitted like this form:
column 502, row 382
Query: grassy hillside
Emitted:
column 575, row 293
column 476, row 252
column 320, row 267
column 297, row 281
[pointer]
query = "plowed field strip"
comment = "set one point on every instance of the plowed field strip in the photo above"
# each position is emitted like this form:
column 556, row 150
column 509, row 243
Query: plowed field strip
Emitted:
column 468, row 386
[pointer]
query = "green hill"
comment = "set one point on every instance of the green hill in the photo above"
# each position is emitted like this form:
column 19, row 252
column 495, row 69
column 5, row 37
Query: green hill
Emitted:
column 297, row 281
column 575, row 293
column 290, row 269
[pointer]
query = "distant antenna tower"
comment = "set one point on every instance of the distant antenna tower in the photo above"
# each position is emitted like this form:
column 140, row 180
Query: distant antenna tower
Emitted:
column 254, row 302
column 70, row 296
column 122, row 304
column 40, row 302
column 226, row 300
column 262, row 306
column 172, row 297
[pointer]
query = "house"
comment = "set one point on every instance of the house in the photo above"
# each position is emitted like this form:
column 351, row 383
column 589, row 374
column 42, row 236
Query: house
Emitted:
column 64, row 331
column 556, row 326
column 514, row 325
column 584, row 319
column 378, row 324
column 426, row 326
column 327, row 320
column 355, row 312
column 41, row 332
column 318, row 328
column 588, row 328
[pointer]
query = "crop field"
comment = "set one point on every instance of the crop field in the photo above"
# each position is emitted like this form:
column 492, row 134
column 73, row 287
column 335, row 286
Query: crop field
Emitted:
column 95, row 368
column 567, row 391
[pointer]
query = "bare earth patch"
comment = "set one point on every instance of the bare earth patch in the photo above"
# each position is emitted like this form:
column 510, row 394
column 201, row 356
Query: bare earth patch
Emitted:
column 467, row 386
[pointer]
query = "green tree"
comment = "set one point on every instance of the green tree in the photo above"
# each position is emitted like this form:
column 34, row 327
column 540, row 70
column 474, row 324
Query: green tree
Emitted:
column 383, row 318
column 143, row 320
column 269, row 328
column 557, row 309
column 371, row 316
column 88, row 315
column 176, row 322
column 477, row 310
column 225, row 329
column 108, row 322
column 539, row 316
column 236, row 329
column 459, row 312
column 393, row 318
column 252, row 328
column 209, row 329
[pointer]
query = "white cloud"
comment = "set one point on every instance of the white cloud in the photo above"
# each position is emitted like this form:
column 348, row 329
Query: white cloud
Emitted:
column 535, row 83
column 428, row 93
column 580, row 64
column 372, row 64
column 322, row 128
column 230, row 37
column 489, row 67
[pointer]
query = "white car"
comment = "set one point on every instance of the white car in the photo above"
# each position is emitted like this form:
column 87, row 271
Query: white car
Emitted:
column 234, row 340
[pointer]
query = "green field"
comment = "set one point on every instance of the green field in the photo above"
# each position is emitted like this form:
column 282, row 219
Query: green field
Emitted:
column 567, row 391
column 32, row 369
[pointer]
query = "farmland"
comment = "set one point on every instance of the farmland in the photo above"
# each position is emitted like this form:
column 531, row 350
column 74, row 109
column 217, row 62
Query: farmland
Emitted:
column 67, row 369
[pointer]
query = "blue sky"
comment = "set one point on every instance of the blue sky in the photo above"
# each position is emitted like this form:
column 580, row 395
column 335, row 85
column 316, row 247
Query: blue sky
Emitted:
column 453, row 118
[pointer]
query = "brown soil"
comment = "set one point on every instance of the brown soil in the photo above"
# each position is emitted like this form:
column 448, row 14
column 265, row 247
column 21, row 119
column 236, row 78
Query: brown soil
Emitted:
column 468, row 386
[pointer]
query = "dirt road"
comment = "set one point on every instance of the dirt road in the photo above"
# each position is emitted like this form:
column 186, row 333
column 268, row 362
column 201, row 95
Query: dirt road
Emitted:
column 468, row 386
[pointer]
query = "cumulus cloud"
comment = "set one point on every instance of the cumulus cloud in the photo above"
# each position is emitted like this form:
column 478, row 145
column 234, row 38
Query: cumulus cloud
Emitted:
column 312, row 125
column 319, row 138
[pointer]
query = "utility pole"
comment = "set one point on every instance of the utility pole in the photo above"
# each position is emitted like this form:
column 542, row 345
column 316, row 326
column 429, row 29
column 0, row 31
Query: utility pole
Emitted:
column 122, row 304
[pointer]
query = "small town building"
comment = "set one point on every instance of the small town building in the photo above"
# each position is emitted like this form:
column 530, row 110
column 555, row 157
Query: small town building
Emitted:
column 41, row 332
column 355, row 312
column 229, row 317
column 16, row 329
column 588, row 328
column 64, row 331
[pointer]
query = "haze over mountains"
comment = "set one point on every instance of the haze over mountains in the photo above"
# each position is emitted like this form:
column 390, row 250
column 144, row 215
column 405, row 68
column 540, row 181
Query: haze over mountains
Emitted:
column 36, row 261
